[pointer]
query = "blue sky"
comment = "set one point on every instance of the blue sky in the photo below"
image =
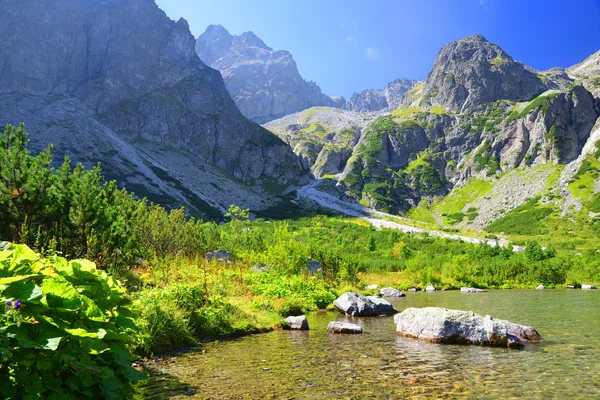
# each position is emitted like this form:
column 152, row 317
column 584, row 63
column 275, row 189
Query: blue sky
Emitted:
column 347, row 46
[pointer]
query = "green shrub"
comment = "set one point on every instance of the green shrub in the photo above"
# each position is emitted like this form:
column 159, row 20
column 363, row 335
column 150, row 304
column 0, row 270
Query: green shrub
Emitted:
column 68, row 338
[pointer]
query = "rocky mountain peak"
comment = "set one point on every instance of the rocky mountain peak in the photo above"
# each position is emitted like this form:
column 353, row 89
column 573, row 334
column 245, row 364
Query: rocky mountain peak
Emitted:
column 473, row 71
column 378, row 100
column 265, row 84
column 249, row 39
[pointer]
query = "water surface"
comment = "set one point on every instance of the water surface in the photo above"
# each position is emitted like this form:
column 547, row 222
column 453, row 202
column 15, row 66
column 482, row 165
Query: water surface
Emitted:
column 379, row 364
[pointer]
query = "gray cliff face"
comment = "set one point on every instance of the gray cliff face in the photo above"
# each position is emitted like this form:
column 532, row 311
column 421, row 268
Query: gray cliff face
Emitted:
column 135, row 72
column 380, row 100
column 265, row 84
column 473, row 71
column 587, row 72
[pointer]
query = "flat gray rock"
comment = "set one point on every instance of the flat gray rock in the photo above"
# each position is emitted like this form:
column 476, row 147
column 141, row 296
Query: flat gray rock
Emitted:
column 343, row 327
column 440, row 325
column 471, row 290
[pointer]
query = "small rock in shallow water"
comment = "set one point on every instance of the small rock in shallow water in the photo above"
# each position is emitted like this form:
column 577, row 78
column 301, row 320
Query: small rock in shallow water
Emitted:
column 412, row 289
column 540, row 287
column 430, row 288
column 391, row 292
column 343, row 327
column 299, row 323
column 471, row 290
column 570, row 286
column 588, row 287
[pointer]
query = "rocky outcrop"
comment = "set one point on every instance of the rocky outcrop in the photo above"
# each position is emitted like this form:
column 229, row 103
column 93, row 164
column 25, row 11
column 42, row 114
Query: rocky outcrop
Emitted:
column 440, row 325
column 357, row 305
column 473, row 71
column 323, row 137
column 344, row 327
column 299, row 323
column 381, row 100
column 130, row 74
column 265, row 84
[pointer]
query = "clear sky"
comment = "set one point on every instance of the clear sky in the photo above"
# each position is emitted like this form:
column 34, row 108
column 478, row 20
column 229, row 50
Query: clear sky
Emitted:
column 347, row 46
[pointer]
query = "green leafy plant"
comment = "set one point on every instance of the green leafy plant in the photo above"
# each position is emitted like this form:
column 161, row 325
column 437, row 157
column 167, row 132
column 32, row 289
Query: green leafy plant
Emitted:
column 64, row 330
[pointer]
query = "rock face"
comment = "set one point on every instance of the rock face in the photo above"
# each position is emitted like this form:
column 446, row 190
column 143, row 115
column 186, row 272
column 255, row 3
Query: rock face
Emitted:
column 265, row 84
column 440, row 325
column 129, row 77
column 343, row 327
column 473, row 71
column 380, row 100
column 299, row 323
column 357, row 305
column 588, row 73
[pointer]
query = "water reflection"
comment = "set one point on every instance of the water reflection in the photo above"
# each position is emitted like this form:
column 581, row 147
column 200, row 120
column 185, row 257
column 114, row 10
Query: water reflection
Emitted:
column 379, row 364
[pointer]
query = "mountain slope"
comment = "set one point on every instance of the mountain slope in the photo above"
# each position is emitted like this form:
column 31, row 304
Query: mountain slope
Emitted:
column 96, row 77
column 467, row 160
column 265, row 84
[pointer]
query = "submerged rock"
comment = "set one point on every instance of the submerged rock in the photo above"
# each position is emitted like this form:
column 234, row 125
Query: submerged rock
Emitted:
column 357, row 305
column 219, row 255
column 343, row 327
column 471, row 290
column 299, row 323
column 588, row 287
column 430, row 288
column 440, row 325
column 391, row 292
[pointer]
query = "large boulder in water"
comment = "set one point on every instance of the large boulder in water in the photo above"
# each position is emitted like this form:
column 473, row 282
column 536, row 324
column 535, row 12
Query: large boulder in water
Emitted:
column 357, row 305
column 440, row 325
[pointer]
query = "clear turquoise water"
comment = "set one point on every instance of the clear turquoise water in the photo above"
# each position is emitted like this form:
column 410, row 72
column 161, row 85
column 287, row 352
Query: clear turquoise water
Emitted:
column 381, row 365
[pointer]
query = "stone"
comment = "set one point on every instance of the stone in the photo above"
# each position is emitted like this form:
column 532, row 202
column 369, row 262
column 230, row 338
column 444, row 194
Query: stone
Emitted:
column 391, row 292
column 343, row 327
column 441, row 325
column 379, row 100
column 588, row 287
column 372, row 287
column 570, row 286
column 313, row 266
column 357, row 305
column 260, row 268
column 219, row 255
column 299, row 323
column 430, row 288
column 471, row 290
column 540, row 287
column 412, row 289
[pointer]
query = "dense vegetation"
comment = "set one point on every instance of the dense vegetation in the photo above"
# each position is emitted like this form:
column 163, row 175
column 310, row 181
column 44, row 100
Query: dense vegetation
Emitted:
column 178, row 296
